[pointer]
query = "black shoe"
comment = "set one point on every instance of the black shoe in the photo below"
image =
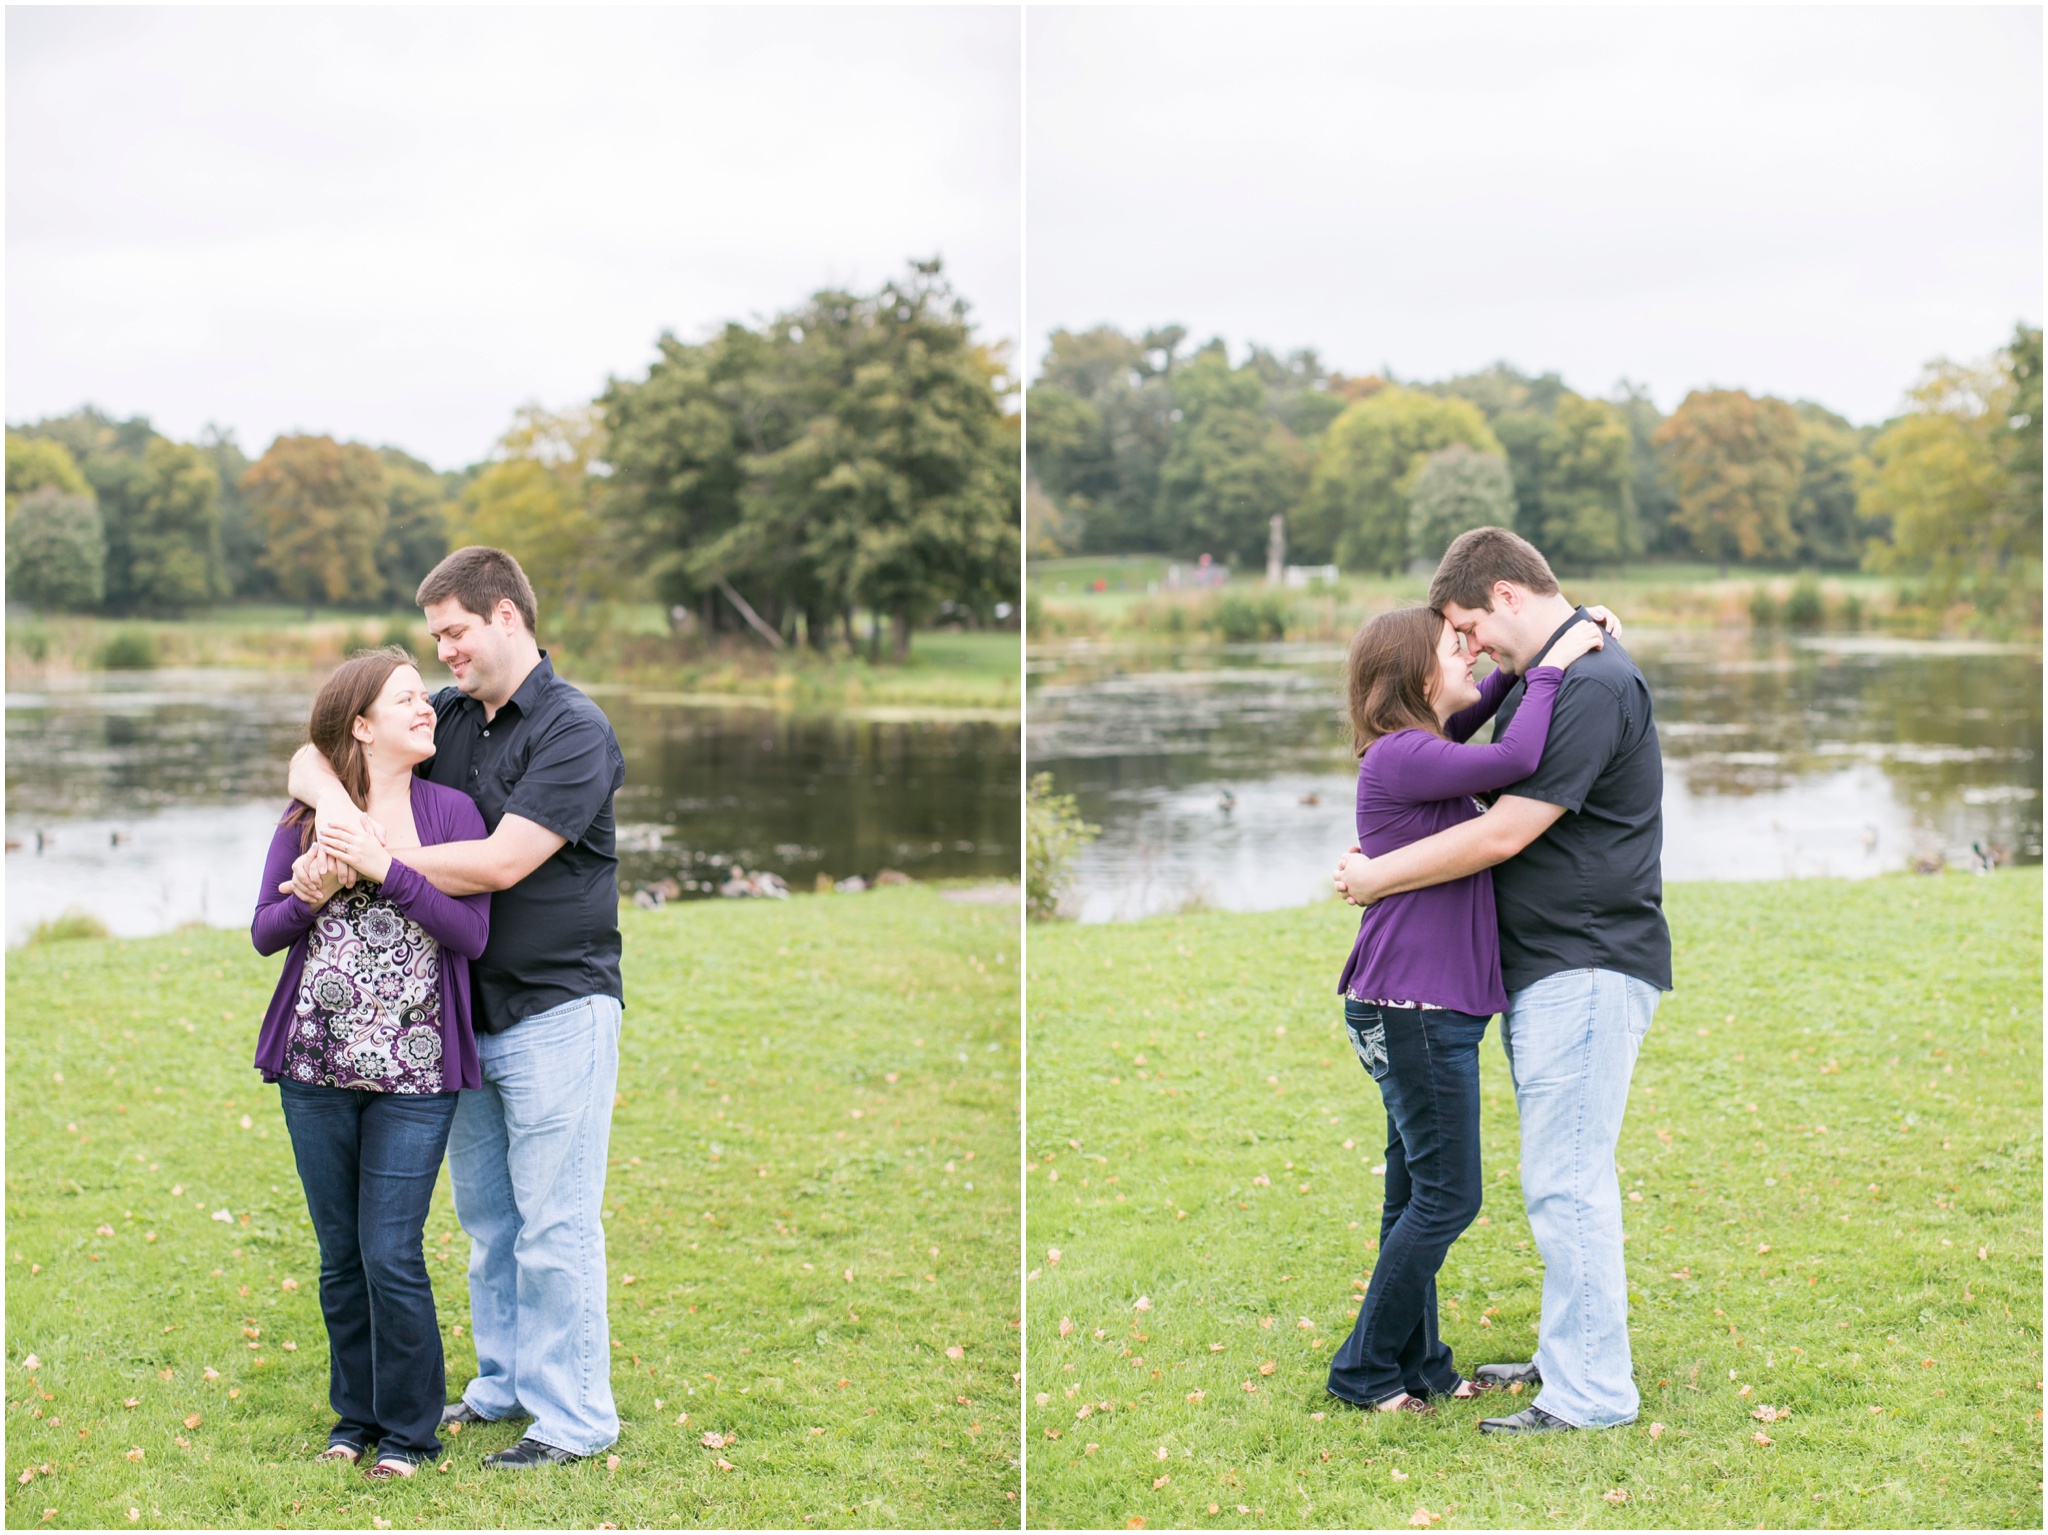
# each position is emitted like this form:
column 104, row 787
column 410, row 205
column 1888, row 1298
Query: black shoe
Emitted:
column 459, row 1411
column 527, row 1454
column 1509, row 1374
column 1530, row 1420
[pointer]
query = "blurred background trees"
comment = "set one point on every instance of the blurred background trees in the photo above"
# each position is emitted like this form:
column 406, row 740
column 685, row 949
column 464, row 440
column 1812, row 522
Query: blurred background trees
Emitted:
column 1138, row 444
column 853, row 455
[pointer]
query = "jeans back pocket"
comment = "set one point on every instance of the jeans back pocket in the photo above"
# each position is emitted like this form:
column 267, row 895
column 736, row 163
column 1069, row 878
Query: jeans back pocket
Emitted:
column 1367, row 1027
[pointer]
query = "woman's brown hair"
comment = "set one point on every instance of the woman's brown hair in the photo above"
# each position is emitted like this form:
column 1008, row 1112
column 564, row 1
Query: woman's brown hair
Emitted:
column 1393, row 658
column 347, row 695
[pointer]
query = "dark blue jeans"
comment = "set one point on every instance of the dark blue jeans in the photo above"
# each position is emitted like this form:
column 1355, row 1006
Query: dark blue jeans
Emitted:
column 368, row 1162
column 1426, row 1062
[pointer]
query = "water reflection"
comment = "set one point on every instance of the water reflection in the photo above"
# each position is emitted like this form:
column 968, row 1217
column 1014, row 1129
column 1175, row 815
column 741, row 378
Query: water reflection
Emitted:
column 1845, row 756
column 148, row 799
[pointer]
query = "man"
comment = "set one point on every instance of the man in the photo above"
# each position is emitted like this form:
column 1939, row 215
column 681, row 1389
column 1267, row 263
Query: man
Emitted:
column 1585, row 953
column 527, row 1150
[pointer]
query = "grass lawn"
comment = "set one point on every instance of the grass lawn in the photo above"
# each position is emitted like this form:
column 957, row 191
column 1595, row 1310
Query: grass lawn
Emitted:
column 1835, row 1134
column 812, row 1207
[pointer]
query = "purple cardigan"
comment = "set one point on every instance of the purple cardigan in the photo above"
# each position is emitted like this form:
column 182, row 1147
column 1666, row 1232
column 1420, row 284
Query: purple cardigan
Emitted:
column 1440, row 945
column 460, row 924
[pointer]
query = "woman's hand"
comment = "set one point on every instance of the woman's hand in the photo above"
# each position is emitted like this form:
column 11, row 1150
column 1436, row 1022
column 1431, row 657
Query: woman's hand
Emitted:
column 1573, row 643
column 1604, row 619
column 356, row 845
column 1350, row 877
column 316, row 877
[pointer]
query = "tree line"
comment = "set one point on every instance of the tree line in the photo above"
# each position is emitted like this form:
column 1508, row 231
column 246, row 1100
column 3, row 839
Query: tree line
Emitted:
column 1138, row 443
column 852, row 453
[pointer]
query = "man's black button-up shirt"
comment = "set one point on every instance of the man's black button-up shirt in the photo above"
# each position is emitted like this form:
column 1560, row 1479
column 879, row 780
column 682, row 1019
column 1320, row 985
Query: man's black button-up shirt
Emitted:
column 549, row 755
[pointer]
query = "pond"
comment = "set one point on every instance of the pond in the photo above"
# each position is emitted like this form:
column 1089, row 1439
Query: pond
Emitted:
column 1222, row 777
column 147, row 799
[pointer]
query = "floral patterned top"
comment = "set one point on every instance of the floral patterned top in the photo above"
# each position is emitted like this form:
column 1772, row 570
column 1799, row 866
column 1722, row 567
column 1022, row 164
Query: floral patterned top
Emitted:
column 368, row 1011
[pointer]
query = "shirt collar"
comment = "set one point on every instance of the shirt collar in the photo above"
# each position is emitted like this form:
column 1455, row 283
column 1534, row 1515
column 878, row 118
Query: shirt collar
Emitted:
column 537, row 682
column 1558, row 633
column 528, row 694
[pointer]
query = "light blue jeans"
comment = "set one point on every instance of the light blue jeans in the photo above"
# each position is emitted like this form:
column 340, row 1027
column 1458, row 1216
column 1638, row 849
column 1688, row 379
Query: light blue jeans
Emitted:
column 527, row 1157
column 1572, row 1041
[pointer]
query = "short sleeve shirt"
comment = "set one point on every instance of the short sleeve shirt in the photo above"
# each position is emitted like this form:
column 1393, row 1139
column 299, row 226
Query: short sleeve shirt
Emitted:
column 1589, row 892
column 550, row 756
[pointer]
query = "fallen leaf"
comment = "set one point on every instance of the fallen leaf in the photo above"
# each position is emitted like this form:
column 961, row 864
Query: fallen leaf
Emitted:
column 1198, row 1396
column 288, row 1284
column 1215, row 1348
column 212, row 1373
column 1618, row 1496
column 234, row 1391
column 1042, row 1398
column 132, row 1402
column 1656, row 1431
column 31, row 1363
column 1160, row 1453
column 380, row 1522
column 1769, row 1414
column 714, row 1440
column 1066, row 1326
column 1248, row 1387
column 1744, row 1391
column 956, row 1352
column 1144, row 1303
column 1268, row 1367
column 611, row 1465
column 1091, row 1449
column 1305, row 1325
column 136, row 1453
column 248, row 1123
column 724, row 1465
column 1761, row 1437
column 629, row 1279
column 1398, row 1475
column 103, row 1231
column 1053, row 1255
column 225, row 1217
column 1160, row 1481
column 193, row 1420
column 1422, row 1518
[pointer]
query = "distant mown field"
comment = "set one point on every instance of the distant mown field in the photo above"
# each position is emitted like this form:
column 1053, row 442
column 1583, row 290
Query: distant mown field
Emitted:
column 811, row 1207
column 948, row 669
column 1833, row 1158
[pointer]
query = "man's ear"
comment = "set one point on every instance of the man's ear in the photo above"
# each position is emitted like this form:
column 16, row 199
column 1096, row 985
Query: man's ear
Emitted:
column 1505, row 595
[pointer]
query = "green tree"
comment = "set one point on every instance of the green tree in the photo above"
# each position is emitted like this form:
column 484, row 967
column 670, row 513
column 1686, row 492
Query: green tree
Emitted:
column 1650, row 487
column 1229, row 466
column 1735, row 463
column 241, row 535
column 1574, row 490
column 321, row 504
column 420, row 503
column 36, row 462
column 162, row 521
column 56, row 550
column 1457, row 489
column 1371, row 456
column 535, row 500
column 1940, row 482
column 1054, row 835
column 1109, row 479
column 1824, row 516
column 1070, row 466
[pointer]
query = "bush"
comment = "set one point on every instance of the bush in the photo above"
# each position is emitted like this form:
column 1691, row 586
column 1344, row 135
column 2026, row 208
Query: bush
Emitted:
column 1852, row 612
column 131, row 650
column 1804, row 608
column 73, row 924
column 1239, row 617
column 410, row 635
column 1763, row 607
column 1053, row 834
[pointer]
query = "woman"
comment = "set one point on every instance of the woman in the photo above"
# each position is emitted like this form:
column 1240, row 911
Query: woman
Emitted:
column 1424, row 974
column 368, row 1039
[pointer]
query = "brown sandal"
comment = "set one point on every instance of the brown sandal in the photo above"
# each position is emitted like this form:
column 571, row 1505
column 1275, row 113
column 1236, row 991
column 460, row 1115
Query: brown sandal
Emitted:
column 1466, row 1390
column 1401, row 1401
column 388, row 1468
column 347, row 1452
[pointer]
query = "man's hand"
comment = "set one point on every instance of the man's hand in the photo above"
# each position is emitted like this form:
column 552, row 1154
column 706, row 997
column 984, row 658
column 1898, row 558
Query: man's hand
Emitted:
column 316, row 876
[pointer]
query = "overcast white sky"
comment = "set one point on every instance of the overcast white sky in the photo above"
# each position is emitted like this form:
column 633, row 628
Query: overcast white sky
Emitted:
column 399, row 225
column 1807, row 202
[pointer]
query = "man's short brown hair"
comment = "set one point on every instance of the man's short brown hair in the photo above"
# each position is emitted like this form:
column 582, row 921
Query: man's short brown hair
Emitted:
column 1477, row 559
column 480, row 577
